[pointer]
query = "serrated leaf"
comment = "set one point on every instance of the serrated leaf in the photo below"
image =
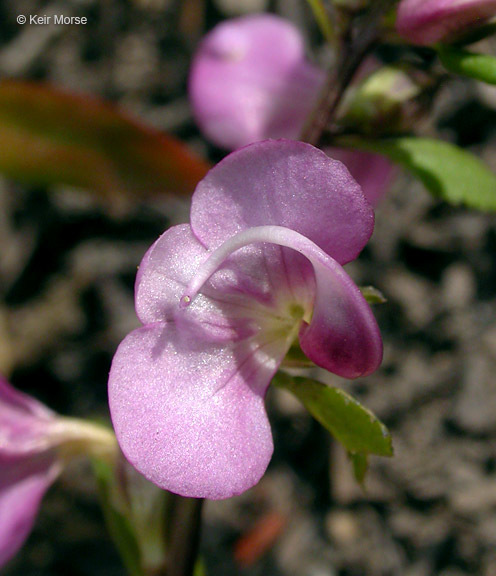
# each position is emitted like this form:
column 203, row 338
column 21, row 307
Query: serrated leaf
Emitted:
column 117, row 523
column 466, row 63
column 49, row 136
column 353, row 425
column 446, row 170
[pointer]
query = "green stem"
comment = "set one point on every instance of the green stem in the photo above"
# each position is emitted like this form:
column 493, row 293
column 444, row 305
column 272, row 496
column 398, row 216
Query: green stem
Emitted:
column 355, row 46
column 322, row 18
column 184, row 540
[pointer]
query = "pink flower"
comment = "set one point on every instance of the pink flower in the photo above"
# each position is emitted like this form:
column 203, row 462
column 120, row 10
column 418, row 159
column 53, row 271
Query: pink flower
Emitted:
column 223, row 299
column 28, row 465
column 250, row 81
column 427, row 22
column 34, row 443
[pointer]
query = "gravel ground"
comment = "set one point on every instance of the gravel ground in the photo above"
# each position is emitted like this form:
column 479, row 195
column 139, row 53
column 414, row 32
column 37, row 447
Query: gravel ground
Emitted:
column 67, row 269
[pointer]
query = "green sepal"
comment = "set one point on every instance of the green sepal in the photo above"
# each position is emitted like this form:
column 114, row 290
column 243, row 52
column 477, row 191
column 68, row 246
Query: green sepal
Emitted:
column 372, row 295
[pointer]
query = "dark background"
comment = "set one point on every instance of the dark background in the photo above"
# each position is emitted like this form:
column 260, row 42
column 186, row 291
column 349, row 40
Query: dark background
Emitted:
column 67, row 267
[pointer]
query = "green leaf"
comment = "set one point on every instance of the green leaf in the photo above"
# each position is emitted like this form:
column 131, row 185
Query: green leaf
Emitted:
column 447, row 171
column 360, row 463
column 460, row 61
column 355, row 427
column 49, row 136
column 118, row 524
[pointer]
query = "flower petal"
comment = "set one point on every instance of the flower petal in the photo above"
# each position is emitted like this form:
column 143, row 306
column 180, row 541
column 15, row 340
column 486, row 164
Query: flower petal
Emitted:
column 190, row 415
column 288, row 184
column 166, row 268
column 24, row 422
column 250, row 81
column 222, row 312
column 373, row 172
column 23, row 482
column 342, row 336
column 21, row 403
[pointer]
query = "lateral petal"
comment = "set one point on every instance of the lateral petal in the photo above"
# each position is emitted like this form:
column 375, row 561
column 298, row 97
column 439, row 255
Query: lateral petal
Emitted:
column 167, row 268
column 343, row 335
column 189, row 414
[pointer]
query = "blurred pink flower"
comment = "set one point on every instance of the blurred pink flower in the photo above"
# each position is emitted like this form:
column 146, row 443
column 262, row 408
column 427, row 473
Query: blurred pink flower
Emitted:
column 34, row 445
column 427, row 22
column 28, row 465
column 250, row 81
column 223, row 299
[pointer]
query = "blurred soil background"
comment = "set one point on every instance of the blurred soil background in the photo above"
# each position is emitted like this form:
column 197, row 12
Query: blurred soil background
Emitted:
column 67, row 267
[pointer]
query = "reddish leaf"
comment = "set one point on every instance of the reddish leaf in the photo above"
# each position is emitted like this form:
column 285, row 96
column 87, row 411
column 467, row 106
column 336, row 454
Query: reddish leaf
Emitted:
column 255, row 543
column 48, row 136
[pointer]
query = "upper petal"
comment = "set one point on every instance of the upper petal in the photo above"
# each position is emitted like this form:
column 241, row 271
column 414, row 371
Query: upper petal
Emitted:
column 288, row 184
column 250, row 81
column 23, row 482
column 190, row 415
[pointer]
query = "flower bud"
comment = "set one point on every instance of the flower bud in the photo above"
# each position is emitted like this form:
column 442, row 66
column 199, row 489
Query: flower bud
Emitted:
column 427, row 22
column 384, row 103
